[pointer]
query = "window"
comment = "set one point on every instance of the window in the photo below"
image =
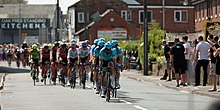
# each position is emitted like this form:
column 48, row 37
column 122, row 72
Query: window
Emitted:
column 180, row 16
column 81, row 17
column 149, row 16
column 126, row 15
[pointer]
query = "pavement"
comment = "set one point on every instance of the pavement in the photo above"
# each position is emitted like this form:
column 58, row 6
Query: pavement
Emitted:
column 199, row 90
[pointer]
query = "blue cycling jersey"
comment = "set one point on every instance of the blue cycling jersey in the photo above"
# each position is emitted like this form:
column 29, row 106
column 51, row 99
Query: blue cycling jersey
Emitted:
column 103, row 55
column 93, row 49
column 118, row 51
column 97, row 51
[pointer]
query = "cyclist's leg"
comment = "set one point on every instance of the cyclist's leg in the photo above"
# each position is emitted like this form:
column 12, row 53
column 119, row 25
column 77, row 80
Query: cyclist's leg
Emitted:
column 53, row 70
column 69, row 71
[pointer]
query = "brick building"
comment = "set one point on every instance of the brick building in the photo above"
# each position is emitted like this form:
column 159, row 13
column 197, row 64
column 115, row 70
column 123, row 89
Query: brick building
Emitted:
column 205, row 10
column 173, row 16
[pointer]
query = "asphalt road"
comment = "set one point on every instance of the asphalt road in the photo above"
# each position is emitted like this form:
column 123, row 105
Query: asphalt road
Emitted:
column 20, row 94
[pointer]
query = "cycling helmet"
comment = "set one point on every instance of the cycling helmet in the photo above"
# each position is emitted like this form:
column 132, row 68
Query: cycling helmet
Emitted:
column 87, row 41
column 56, row 44
column 84, row 44
column 108, row 46
column 96, row 41
column 45, row 46
column 102, row 39
column 73, row 45
column 73, row 41
column 50, row 45
column 101, row 43
column 34, row 46
column 114, row 42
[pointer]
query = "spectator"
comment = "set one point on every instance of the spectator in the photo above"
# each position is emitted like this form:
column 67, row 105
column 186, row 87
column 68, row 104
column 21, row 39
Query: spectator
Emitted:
column 4, row 50
column 217, row 55
column 213, row 69
column 188, row 53
column 166, row 51
column 179, row 61
column 1, row 52
column 202, row 59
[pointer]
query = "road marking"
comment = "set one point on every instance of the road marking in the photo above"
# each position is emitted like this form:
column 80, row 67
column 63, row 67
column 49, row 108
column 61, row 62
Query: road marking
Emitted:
column 129, row 103
column 184, row 91
column 139, row 107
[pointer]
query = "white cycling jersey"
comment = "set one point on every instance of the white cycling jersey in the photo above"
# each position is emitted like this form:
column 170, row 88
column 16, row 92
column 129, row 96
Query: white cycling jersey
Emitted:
column 83, row 53
column 72, row 54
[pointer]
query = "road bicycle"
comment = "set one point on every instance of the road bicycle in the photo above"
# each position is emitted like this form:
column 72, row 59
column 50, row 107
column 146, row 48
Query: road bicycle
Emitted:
column 63, row 74
column 83, row 75
column 34, row 68
column 73, row 77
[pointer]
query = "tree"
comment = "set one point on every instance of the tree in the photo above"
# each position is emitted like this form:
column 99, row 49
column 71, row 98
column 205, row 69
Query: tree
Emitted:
column 13, row 1
column 155, row 37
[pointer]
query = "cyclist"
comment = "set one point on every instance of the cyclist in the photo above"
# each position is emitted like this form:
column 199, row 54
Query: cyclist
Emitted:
column 9, row 54
column 45, row 59
column 53, row 59
column 92, row 51
column 17, row 55
column 118, row 51
column 107, row 58
column 34, row 58
column 96, row 63
column 72, row 60
column 24, row 54
column 83, row 57
column 62, row 59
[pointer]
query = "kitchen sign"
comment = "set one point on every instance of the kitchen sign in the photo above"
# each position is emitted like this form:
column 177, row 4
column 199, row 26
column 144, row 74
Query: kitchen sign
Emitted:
column 24, row 23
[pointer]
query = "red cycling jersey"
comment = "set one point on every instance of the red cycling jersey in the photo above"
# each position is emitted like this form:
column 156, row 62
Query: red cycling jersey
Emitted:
column 62, row 53
column 45, row 53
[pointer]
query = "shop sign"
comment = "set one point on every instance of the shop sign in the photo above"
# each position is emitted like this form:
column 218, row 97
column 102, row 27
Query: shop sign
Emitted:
column 115, row 33
column 24, row 23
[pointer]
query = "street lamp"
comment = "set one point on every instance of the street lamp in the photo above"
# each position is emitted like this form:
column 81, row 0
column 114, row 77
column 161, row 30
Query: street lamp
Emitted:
column 145, row 39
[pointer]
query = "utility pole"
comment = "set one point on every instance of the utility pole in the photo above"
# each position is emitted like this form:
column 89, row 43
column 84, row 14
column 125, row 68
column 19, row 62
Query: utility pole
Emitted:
column 85, row 19
column 145, row 38
column 19, row 41
column 57, row 38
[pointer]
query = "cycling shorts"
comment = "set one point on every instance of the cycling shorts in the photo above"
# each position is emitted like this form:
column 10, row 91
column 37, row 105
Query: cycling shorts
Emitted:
column 36, row 61
column 106, row 62
column 83, row 60
column 45, row 60
column 72, row 62
column 64, row 62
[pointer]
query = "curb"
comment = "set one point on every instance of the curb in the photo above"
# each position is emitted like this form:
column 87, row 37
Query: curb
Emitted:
column 196, row 92
column 2, row 81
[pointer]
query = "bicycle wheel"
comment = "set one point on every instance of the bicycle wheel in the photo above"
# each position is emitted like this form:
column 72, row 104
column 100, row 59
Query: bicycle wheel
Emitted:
column 63, row 77
column 73, row 80
column 34, row 76
column 84, row 78
column 108, row 90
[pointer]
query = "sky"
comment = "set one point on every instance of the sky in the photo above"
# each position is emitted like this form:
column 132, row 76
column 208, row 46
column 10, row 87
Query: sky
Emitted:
column 64, row 4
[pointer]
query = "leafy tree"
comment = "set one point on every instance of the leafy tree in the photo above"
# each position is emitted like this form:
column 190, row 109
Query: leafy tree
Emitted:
column 13, row 1
column 155, row 37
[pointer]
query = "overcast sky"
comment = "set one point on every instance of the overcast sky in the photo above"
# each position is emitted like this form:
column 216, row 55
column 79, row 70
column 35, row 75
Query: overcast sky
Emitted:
column 63, row 3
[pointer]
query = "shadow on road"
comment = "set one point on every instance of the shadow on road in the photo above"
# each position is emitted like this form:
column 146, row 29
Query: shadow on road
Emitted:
column 124, row 95
column 11, row 70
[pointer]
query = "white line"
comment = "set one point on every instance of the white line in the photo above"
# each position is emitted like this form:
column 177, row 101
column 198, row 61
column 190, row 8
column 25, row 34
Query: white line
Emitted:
column 129, row 103
column 141, row 108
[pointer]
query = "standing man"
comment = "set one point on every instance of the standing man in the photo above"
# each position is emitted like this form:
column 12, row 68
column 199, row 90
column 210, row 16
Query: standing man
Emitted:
column 167, row 56
column 188, row 53
column 179, row 61
column 202, row 59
